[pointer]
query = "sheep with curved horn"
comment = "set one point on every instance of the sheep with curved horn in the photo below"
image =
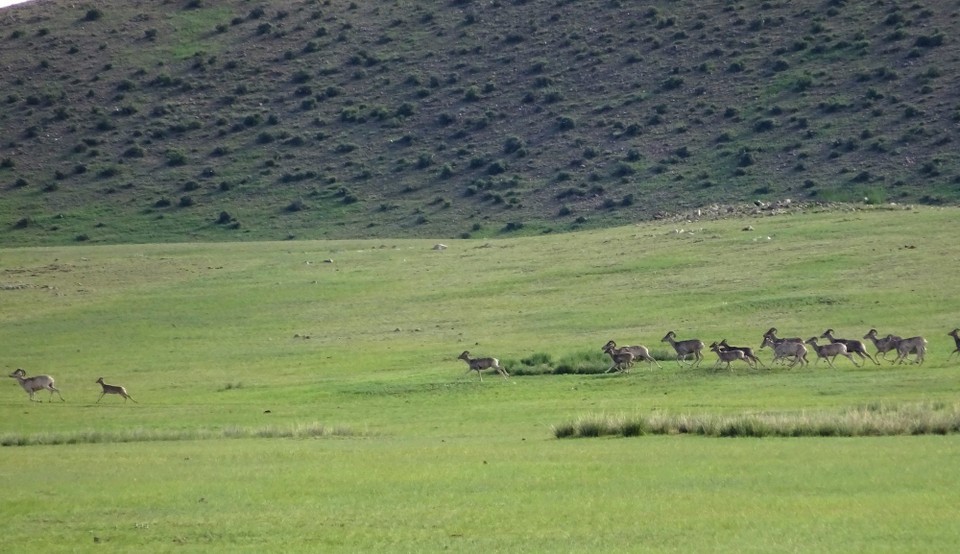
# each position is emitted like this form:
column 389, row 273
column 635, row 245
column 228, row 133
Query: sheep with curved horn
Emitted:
column 883, row 345
column 35, row 383
column 685, row 348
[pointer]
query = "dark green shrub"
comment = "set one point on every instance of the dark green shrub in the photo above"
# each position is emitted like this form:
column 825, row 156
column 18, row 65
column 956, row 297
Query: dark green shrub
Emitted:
column 108, row 172
column 176, row 158
column 929, row 41
column 133, row 152
column 763, row 125
column 566, row 123
column 496, row 168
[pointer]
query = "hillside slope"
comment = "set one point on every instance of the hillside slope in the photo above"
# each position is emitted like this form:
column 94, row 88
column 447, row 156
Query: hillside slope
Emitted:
column 142, row 121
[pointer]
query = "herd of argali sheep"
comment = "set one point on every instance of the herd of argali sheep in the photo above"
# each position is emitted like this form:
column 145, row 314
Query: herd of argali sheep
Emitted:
column 784, row 349
column 793, row 350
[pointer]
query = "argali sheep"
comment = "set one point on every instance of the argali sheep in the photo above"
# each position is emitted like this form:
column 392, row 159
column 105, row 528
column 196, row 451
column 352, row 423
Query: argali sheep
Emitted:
column 639, row 352
column 912, row 345
column 883, row 345
column 957, row 340
column 35, row 383
column 685, row 348
column 830, row 351
column 772, row 333
column 727, row 356
column 747, row 351
column 113, row 389
column 783, row 348
column 853, row 346
column 479, row 364
column 622, row 359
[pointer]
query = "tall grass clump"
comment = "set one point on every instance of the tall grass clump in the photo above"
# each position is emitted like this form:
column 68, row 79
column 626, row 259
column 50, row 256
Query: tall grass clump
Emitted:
column 861, row 421
column 581, row 363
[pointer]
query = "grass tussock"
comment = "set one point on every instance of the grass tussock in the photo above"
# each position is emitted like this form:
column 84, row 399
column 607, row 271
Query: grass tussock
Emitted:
column 870, row 420
column 583, row 362
column 292, row 431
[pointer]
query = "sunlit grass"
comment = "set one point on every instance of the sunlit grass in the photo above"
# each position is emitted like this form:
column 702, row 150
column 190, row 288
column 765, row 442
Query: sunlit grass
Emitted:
column 863, row 421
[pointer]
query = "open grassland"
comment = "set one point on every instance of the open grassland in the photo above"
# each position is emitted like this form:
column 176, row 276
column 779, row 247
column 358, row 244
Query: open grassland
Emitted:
column 306, row 396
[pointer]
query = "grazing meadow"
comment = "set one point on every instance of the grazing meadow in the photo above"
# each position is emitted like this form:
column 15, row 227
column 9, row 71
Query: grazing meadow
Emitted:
column 307, row 396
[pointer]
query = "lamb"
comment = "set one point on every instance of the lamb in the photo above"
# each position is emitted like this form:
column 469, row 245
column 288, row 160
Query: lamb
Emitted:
column 727, row 356
column 747, row 352
column 622, row 359
column 113, row 389
column 639, row 352
column 784, row 348
column 853, row 346
column 35, row 383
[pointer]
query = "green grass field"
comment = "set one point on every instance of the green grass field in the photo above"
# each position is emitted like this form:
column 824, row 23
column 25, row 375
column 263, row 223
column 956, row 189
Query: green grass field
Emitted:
column 290, row 403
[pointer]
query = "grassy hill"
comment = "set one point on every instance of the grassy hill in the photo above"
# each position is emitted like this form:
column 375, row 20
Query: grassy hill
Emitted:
column 239, row 120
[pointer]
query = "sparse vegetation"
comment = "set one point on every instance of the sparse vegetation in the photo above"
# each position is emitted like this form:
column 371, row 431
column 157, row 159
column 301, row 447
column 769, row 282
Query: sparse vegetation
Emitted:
column 372, row 105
